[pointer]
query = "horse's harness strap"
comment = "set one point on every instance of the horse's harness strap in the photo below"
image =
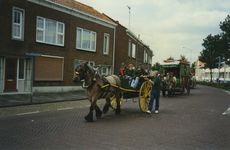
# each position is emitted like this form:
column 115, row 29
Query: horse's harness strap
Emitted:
column 94, row 79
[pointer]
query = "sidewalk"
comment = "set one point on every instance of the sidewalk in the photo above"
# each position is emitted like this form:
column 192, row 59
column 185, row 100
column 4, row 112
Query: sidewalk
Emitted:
column 39, row 98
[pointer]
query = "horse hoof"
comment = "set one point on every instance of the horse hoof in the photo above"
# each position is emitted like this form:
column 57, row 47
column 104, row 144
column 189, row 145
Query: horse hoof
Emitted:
column 88, row 119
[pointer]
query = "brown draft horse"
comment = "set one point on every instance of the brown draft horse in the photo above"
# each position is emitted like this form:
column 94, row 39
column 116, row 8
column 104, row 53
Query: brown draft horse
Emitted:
column 92, row 84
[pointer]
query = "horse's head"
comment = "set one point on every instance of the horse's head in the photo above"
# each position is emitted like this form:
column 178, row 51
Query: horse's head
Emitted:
column 80, row 72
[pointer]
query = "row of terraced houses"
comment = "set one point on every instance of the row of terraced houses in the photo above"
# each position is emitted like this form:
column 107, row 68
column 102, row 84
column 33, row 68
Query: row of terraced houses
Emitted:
column 42, row 41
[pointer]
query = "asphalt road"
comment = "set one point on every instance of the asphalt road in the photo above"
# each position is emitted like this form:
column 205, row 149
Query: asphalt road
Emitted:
column 199, row 120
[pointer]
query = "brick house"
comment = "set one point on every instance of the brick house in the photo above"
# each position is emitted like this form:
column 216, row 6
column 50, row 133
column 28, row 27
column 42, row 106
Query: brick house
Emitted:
column 130, row 49
column 44, row 40
column 63, row 36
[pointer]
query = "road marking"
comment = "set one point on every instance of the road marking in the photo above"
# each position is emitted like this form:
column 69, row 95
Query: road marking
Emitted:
column 227, row 112
column 65, row 108
column 29, row 113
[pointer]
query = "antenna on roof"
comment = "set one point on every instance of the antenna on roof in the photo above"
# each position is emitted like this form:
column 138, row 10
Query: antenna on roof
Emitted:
column 129, row 15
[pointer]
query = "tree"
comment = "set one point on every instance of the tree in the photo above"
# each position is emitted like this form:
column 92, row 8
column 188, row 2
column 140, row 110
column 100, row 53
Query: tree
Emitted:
column 225, row 39
column 156, row 66
column 210, row 52
column 193, row 67
column 170, row 58
column 182, row 57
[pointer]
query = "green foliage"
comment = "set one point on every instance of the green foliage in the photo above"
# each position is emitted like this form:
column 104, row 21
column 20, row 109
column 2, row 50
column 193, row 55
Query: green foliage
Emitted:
column 225, row 46
column 193, row 67
column 156, row 66
column 170, row 58
column 211, row 51
column 182, row 57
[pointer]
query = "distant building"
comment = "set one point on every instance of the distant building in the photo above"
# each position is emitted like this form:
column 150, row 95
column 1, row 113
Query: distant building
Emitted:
column 204, row 74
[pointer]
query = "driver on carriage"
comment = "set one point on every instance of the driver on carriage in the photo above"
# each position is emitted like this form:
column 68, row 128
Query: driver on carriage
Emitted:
column 122, row 71
column 139, row 73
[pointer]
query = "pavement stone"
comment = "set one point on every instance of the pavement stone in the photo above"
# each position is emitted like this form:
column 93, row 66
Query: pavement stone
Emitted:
column 7, row 100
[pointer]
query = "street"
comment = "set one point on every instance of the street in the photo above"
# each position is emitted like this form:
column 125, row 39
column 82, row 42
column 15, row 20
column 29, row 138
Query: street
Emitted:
column 199, row 120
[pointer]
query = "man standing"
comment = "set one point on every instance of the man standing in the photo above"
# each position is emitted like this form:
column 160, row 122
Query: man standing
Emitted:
column 122, row 72
column 155, row 93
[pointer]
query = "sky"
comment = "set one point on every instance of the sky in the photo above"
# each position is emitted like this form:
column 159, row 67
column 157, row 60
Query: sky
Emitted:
column 169, row 27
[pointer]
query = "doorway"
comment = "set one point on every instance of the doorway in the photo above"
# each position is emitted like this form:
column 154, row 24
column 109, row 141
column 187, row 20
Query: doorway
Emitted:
column 10, row 74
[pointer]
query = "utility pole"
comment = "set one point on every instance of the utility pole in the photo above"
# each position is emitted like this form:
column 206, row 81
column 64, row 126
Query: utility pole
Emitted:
column 129, row 15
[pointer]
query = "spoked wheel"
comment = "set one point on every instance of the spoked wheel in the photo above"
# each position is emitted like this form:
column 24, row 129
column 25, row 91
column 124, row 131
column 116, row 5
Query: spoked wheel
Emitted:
column 113, row 101
column 144, row 96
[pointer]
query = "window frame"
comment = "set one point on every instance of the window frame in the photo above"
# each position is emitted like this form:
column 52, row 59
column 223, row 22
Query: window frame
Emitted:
column 107, row 70
column 57, row 33
column 129, row 48
column 22, row 23
column 24, row 70
column 81, row 42
column 133, row 50
column 107, row 44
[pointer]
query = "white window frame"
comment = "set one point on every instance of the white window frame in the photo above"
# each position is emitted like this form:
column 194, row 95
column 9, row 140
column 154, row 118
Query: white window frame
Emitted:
column 146, row 57
column 21, row 24
column 133, row 50
column 91, row 33
column 106, row 51
column 129, row 48
column 44, row 31
column 107, row 70
column 23, row 70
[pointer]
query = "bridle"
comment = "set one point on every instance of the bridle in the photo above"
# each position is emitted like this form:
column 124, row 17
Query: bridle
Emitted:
column 84, row 73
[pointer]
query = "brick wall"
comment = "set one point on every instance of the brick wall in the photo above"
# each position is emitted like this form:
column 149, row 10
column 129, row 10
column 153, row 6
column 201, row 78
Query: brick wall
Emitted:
column 69, row 51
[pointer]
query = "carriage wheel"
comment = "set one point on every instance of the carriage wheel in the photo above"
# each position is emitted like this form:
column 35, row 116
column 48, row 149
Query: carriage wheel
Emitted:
column 144, row 96
column 113, row 101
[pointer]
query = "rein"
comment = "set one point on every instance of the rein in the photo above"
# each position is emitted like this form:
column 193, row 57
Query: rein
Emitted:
column 94, row 79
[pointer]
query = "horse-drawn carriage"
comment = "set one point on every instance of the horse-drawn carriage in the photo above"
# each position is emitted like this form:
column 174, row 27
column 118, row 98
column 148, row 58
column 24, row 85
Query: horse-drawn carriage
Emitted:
column 142, row 91
column 113, row 89
column 175, row 77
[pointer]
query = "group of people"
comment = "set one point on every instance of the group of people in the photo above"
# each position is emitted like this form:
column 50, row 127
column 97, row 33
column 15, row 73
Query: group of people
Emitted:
column 134, row 77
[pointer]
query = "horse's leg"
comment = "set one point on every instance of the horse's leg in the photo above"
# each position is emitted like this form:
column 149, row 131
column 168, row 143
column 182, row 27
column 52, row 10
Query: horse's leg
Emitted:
column 89, row 117
column 98, row 111
column 106, row 107
column 118, row 99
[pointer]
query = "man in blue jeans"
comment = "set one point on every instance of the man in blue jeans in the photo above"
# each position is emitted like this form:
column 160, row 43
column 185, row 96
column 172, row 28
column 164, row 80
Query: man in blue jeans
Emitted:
column 155, row 93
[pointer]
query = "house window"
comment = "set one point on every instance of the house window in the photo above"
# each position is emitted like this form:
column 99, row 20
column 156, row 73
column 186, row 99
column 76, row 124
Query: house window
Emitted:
column 86, row 40
column 133, row 50
column 106, row 44
column 50, row 31
column 77, row 62
column 18, row 16
column 104, row 70
column 146, row 57
column 129, row 48
column 21, row 69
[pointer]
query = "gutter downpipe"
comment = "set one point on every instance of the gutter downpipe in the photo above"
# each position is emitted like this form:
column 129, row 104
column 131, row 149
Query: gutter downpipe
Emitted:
column 114, row 35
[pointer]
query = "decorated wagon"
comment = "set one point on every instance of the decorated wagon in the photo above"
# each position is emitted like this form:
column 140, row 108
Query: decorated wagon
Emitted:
column 175, row 76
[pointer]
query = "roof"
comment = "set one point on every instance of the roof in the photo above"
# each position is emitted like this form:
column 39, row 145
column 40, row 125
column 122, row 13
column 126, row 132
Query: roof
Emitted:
column 82, row 7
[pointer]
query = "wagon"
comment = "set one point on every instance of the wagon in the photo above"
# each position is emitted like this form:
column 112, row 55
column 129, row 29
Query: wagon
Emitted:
column 181, row 70
column 142, row 91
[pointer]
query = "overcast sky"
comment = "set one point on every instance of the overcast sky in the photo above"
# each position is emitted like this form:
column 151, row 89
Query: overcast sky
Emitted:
column 168, row 25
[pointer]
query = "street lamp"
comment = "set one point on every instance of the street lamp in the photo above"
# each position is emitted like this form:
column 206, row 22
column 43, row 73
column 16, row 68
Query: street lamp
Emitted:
column 190, row 55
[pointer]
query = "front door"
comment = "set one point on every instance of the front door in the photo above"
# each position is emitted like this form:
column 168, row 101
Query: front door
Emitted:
column 10, row 74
